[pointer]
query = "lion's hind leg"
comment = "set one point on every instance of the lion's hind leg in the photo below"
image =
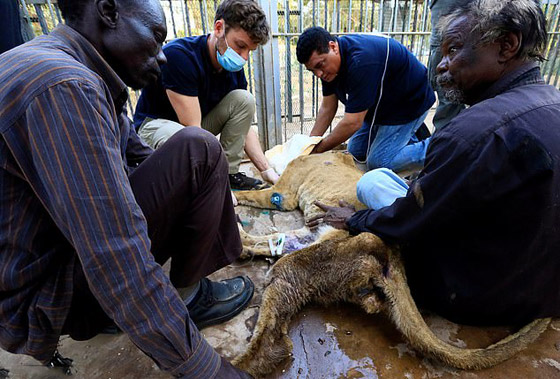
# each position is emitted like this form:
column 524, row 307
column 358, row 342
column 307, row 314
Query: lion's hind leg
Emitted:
column 324, row 272
column 296, row 280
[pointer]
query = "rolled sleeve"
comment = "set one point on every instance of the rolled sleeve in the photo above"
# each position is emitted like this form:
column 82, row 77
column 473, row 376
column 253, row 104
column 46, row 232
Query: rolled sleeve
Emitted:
column 204, row 362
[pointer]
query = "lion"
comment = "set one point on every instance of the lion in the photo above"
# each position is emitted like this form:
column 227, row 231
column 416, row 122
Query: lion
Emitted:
column 338, row 267
column 330, row 177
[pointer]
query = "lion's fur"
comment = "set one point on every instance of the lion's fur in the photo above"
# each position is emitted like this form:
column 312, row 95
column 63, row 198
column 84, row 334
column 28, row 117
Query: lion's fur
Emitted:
column 361, row 270
column 330, row 177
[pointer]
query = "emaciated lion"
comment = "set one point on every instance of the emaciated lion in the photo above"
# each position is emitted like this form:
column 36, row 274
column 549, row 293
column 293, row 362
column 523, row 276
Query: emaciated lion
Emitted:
column 338, row 267
column 330, row 177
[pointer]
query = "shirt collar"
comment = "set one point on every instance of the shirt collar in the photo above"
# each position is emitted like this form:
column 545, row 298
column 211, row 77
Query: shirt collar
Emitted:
column 524, row 75
column 342, row 52
column 84, row 52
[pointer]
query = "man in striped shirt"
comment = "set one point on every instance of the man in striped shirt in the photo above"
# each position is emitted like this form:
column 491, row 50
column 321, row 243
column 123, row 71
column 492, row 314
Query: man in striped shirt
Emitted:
column 88, row 213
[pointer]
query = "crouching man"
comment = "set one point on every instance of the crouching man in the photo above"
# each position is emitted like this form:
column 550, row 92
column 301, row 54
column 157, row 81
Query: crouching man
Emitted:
column 203, row 85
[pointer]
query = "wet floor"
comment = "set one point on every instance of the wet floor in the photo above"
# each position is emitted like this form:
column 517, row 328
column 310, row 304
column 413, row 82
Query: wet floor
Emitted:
column 339, row 342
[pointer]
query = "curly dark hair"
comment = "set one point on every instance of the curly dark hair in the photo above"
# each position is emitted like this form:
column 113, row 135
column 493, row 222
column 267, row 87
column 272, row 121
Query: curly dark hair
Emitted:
column 247, row 15
column 313, row 39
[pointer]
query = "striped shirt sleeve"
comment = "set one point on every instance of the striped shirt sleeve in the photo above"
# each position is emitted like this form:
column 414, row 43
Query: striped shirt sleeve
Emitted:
column 79, row 172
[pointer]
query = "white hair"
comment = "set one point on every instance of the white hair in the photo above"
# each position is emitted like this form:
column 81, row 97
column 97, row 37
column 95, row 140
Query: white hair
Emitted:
column 491, row 19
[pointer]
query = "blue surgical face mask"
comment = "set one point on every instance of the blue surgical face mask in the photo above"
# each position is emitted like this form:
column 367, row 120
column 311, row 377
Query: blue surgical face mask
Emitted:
column 230, row 60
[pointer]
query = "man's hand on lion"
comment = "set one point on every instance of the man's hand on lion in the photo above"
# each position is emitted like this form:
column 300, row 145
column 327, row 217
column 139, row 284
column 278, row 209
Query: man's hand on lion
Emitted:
column 333, row 216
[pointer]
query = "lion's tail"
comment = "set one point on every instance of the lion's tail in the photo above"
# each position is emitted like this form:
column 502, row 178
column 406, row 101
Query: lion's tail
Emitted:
column 411, row 324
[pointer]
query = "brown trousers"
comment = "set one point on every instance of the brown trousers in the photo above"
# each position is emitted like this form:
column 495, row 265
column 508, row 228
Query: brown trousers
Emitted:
column 183, row 190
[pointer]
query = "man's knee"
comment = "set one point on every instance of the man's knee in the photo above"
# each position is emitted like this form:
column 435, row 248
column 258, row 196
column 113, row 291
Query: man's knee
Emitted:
column 378, row 161
column 193, row 139
column 380, row 188
column 356, row 149
column 371, row 183
column 156, row 132
column 243, row 100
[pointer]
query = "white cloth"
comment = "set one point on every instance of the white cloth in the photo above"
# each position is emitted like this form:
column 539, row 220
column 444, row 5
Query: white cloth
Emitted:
column 279, row 156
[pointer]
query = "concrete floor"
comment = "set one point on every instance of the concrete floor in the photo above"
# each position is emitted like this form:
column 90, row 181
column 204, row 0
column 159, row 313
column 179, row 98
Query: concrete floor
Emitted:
column 339, row 342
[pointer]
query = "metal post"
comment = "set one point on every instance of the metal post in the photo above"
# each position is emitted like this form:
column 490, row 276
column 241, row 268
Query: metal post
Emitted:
column 408, row 9
column 414, row 25
column 184, row 17
column 364, row 29
column 361, row 27
column 550, row 64
column 381, row 9
column 301, row 93
column 187, row 18
column 267, row 83
column 27, row 29
column 202, row 16
column 335, row 16
column 394, row 15
column 349, row 26
column 172, row 18
column 326, row 14
column 288, row 70
column 42, row 21
column 424, row 25
column 250, row 73
column 51, row 11
column 314, row 12
column 372, row 16
column 206, row 16
column 58, row 15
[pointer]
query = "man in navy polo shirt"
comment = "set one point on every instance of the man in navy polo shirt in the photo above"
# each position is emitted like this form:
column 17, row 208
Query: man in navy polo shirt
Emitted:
column 385, row 91
column 203, row 85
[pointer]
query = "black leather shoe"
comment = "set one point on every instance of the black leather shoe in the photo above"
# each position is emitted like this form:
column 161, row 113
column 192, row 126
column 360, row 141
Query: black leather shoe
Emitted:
column 217, row 302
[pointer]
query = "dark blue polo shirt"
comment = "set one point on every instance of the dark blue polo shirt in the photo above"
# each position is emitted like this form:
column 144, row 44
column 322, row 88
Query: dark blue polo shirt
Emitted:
column 407, row 93
column 189, row 72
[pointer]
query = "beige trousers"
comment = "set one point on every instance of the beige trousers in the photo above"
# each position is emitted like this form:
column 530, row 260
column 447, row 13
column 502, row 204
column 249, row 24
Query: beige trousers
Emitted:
column 231, row 119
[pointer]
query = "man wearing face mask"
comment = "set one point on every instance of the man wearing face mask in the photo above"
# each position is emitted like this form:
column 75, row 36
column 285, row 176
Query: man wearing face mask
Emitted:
column 203, row 85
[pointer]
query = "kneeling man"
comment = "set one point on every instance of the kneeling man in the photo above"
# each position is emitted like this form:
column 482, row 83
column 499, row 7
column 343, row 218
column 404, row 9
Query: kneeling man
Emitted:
column 384, row 89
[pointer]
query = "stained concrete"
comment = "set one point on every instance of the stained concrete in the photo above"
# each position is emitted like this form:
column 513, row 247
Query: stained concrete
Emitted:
column 336, row 342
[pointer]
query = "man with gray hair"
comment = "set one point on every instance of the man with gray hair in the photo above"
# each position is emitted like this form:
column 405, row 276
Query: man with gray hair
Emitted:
column 446, row 110
column 479, row 227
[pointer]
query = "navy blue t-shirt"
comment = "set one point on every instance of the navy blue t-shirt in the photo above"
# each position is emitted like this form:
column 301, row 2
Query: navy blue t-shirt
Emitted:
column 407, row 93
column 189, row 72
